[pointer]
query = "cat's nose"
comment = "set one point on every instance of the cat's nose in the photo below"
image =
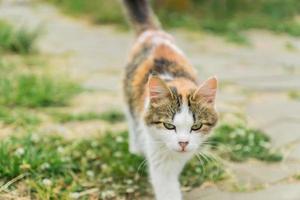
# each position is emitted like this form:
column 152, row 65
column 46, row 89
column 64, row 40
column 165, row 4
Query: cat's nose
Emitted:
column 183, row 144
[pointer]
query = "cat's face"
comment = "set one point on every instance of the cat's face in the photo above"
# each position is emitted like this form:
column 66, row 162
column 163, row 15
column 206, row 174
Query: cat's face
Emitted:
column 181, row 121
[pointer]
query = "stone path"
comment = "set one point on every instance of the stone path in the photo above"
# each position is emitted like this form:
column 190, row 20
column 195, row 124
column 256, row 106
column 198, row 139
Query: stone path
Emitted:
column 255, row 82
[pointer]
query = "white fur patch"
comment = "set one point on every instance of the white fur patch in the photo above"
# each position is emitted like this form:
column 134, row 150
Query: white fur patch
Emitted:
column 162, row 152
column 166, row 77
column 159, row 37
column 183, row 120
column 161, row 40
column 142, row 38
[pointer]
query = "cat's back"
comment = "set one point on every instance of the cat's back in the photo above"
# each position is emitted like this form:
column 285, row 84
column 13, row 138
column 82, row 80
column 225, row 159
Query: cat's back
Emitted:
column 154, row 52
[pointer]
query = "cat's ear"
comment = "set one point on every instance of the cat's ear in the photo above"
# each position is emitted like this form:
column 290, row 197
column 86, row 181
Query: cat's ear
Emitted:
column 207, row 90
column 158, row 88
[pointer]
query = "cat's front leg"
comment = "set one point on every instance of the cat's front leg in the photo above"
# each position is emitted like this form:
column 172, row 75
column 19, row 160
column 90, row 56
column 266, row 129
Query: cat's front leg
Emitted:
column 165, row 184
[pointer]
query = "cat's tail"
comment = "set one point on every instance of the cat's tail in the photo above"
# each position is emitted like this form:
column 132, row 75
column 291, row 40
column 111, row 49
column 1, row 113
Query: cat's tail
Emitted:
column 141, row 15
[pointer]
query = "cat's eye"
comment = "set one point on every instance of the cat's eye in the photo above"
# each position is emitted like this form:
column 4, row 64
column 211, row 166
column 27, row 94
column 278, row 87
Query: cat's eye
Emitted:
column 196, row 127
column 169, row 126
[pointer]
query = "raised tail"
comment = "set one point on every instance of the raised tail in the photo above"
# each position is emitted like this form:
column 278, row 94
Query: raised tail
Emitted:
column 141, row 15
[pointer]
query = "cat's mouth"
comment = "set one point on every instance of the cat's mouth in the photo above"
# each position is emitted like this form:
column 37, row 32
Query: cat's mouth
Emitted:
column 182, row 151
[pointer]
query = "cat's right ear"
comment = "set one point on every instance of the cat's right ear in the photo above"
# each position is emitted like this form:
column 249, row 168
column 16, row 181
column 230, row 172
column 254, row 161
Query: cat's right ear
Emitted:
column 158, row 89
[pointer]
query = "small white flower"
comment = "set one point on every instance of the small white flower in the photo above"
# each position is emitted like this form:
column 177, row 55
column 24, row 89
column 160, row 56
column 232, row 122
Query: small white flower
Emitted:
column 94, row 144
column 108, row 194
column 198, row 170
column 238, row 147
column 90, row 173
column 251, row 137
column 47, row 182
column 74, row 195
column 35, row 138
column 129, row 190
column 90, row 154
column 264, row 144
column 247, row 148
column 19, row 151
column 118, row 154
column 129, row 181
column 240, row 132
column 66, row 159
column 119, row 139
column 232, row 135
column 104, row 166
column 60, row 149
column 45, row 166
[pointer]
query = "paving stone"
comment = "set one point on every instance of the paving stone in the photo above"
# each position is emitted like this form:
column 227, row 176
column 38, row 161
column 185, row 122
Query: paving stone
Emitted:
column 256, row 173
column 270, row 83
column 294, row 152
column 284, row 191
column 283, row 133
column 272, row 109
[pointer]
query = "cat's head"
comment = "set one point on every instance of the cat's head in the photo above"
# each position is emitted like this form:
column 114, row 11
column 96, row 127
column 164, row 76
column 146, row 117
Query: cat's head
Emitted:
column 180, row 115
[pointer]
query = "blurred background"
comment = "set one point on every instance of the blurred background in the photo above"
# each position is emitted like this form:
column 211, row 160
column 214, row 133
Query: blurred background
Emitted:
column 62, row 130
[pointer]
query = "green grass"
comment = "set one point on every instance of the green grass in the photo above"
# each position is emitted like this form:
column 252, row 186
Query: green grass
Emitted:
column 239, row 143
column 112, row 116
column 32, row 90
column 57, row 168
column 75, row 166
column 19, row 117
column 294, row 95
column 297, row 176
column 17, row 40
column 228, row 18
column 103, row 12
column 52, row 167
column 24, row 88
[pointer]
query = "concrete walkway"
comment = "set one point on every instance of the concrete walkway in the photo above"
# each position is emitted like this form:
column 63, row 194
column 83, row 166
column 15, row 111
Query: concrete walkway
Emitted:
column 255, row 82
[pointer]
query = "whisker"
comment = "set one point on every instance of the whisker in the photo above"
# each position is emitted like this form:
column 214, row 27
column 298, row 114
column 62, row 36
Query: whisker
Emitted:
column 201, row 164
column 143, row 163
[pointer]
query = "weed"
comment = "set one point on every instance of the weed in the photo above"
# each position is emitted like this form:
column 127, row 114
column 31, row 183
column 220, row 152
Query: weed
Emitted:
column 99, row 11
column 228, row 18
column 17, row 40
column 112, row 116
column 35, row 90
column 297, row 176
column 19, row 117
column 60, row 168
column 242, row 143
column 294, row 95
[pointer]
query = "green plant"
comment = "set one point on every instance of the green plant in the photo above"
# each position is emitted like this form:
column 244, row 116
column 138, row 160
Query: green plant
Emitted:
column 17, row 40
column 239, row 143
column 18, row 117
column 58, row 168
column 294, row 95
column 103, row 12
column 297, row 176
column 112, row 116
column 35, row 90
column 228, row 17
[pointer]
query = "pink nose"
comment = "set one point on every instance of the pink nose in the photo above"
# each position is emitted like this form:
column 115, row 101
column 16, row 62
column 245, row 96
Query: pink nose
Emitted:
column 183, row 144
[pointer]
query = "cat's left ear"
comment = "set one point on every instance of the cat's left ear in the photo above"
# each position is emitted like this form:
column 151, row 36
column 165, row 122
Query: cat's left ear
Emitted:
column 207, row 90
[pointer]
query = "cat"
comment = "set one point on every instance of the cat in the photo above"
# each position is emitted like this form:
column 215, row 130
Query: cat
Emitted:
column 169, row 113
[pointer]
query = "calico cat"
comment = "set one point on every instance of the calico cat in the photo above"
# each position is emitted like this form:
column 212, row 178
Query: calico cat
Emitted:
column 169, row 113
